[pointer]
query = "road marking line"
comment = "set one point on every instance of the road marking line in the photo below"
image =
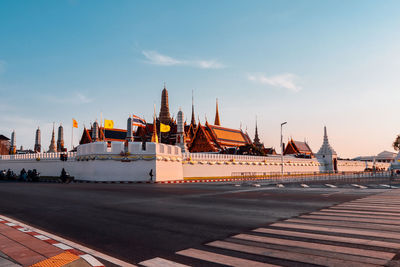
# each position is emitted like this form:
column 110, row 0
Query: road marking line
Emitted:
column 160, row 262
column 318, row 246
column 73, row 244
column 41, row 237
column 349, row 219
column 393, row 203
column 91, row 260
column 360, row 212
column 354, row 231
column 62, row 246
column 374, row 226
column 24, row 230
column 221, row 259
column 369, row 207
column 330, row 237
column 294, row 256
column 359, row 186
column 363, row 208
column 355, row 215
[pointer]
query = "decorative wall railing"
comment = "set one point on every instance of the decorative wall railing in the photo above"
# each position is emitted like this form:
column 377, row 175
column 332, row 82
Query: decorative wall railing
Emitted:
column 39, row 156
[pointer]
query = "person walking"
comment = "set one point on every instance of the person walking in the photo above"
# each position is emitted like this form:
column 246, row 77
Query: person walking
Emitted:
column 151, row 175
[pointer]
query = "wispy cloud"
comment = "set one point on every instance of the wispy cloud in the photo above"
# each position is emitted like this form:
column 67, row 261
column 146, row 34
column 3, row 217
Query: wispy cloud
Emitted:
column 285, row 81
column 2, row 66
column 153, row 57
column 76, row 98
column 83, row 99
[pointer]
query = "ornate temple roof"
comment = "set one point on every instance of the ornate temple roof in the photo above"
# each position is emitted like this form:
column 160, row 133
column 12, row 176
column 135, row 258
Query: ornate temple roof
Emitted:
column 297, row 147
column 229, row 137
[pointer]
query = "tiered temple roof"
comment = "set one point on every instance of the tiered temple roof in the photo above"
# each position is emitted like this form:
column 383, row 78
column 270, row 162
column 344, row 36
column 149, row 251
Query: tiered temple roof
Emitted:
column 297, row 148
column 213, row 138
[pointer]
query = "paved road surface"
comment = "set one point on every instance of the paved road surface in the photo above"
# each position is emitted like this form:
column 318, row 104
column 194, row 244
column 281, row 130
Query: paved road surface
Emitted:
column 138, row 222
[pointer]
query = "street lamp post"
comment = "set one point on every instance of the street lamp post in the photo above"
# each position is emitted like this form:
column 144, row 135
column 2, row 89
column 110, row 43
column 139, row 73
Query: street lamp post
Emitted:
column 283, row 123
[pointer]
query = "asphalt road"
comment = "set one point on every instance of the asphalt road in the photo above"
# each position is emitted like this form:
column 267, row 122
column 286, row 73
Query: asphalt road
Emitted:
column 136, row 222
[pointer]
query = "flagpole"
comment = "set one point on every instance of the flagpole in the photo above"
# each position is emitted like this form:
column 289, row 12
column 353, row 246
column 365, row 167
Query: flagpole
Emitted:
column 72, row 136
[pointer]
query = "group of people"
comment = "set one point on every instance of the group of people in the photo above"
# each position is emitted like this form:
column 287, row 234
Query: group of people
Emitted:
column 29, row 176
column 7, row 174
column 25, row 176
column 32, row 176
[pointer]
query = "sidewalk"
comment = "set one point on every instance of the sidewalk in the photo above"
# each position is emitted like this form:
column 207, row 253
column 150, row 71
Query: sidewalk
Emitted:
column 21, row 246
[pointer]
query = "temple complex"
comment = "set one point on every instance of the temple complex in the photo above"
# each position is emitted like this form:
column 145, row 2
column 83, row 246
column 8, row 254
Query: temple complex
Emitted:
column 194, row 137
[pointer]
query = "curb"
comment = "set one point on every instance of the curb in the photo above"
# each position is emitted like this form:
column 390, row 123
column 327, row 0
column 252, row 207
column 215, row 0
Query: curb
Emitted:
column 92, row 261
column 171, row 181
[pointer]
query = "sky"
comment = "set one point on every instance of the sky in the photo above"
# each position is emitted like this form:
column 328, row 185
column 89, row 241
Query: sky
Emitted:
column 310, row 63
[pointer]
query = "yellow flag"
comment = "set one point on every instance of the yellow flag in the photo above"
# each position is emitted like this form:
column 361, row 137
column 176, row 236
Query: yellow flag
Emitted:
column 164, row 128
column 108, row 124
column 74, row 123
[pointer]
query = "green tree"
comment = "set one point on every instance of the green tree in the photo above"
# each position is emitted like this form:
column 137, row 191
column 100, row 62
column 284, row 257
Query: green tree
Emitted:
column 396, row 143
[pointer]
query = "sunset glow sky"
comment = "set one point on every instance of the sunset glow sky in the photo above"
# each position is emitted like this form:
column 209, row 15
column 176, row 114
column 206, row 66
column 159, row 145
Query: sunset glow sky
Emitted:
column 310, row 63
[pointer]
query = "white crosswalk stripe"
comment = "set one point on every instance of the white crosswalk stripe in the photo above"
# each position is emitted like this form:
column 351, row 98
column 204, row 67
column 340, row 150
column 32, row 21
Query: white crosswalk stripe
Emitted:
column 364, row 232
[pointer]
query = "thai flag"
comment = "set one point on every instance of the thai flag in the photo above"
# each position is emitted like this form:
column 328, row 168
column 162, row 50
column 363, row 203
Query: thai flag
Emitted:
column 137, row 121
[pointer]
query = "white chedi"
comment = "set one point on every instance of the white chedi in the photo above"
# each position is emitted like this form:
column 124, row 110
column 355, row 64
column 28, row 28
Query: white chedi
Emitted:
column 326, row 149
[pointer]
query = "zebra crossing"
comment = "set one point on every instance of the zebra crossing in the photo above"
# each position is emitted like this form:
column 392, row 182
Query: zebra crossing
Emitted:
column 363, row 232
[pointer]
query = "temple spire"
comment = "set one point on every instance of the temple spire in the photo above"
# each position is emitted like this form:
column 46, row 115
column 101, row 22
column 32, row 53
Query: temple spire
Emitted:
column 52, row 147
column 164, row 117
column 60, row 139
column 256, row 138
column 38, row 142
column 216, row 121
column 13, row 147
column 154, row 137
column 193, row 121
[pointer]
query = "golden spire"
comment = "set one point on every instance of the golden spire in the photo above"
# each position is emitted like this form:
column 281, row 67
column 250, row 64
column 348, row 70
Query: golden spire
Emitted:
column 217, row 122
column 154, row 137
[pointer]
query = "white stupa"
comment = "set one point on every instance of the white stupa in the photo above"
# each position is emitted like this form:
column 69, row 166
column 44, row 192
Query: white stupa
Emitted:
column 326, row 148
column 327, row 155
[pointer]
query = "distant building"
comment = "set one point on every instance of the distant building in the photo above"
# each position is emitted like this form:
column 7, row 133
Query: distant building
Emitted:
column 298, row 149
column 384, row 156
column 4, row 145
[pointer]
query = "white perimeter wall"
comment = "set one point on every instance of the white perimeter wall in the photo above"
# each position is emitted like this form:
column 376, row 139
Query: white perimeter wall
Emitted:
column 97, row 162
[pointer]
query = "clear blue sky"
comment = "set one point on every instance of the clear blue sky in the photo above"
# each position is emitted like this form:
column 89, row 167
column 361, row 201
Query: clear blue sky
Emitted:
column 310, row 63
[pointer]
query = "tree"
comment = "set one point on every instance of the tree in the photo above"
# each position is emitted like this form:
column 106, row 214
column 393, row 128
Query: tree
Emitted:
column 396, row 143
